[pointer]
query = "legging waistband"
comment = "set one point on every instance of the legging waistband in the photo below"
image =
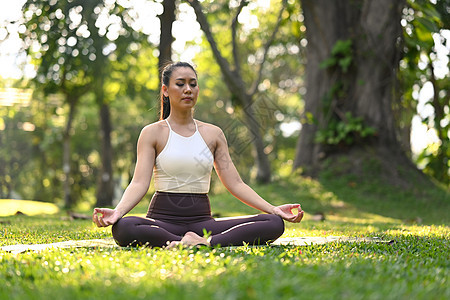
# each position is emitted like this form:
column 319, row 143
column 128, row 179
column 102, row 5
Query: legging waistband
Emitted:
column 180, row 208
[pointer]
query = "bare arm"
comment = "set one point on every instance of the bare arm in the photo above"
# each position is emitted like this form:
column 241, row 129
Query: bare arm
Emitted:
column 229, row 176
column 138, row 186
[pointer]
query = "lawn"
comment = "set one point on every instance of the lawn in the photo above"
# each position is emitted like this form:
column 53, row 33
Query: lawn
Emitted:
column 415, row 266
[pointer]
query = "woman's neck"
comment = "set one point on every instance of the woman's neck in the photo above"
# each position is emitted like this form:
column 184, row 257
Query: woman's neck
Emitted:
column 180, row 118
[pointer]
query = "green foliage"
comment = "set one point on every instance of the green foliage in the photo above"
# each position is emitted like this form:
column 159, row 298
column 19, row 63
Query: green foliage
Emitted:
column 131, row 84
column 341, row 56
column 349, row 131
column 15, row 148
column 424, row 25
column 277, row 99
column 339, row 127
column 31, row 158
column 81, row 60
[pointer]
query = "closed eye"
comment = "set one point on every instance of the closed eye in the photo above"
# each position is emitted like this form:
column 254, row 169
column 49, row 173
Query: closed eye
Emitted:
column 192, row 84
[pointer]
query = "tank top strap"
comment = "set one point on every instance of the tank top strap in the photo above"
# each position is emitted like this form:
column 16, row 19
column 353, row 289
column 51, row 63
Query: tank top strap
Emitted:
column 196, row 127
column 170, row 128
column 167, row 122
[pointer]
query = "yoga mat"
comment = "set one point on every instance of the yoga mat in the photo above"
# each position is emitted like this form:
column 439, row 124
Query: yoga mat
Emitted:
column 110, row 243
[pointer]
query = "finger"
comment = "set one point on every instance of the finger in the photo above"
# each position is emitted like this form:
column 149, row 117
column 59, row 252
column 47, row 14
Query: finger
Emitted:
column 294, row 206
column 99, row 211
column 95, row 220
column 289, row 218
column 102, row 222
column 299, row 217
column 108, row 223
column 295, row 218
column 99, row 220
column 287, row 215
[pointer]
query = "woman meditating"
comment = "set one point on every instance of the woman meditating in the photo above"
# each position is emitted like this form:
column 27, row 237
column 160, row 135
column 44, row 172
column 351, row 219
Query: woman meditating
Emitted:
column 180, row 152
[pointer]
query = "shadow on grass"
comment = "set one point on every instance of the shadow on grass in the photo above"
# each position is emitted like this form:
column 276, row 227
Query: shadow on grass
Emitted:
column 423, row 203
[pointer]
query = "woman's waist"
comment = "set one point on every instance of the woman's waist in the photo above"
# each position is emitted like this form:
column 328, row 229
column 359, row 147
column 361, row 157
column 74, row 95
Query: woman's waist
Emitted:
column 179, row 205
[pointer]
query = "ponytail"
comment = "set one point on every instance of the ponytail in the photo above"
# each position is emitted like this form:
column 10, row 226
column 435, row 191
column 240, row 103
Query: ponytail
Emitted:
column 165, row 107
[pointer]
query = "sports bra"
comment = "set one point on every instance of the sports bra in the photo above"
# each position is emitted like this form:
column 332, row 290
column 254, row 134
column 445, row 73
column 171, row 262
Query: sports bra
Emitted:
column 184, row 165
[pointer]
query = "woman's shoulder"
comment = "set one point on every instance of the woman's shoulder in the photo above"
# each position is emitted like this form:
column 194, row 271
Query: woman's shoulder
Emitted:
column 155, row 126
column 213, row 134
column 208, row 127
column 154, row 129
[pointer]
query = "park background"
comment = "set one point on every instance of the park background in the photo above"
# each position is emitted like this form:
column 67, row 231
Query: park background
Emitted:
column 342, row 106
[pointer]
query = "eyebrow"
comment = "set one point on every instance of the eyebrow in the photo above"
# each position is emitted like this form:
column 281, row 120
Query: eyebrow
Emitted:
column 193, row 78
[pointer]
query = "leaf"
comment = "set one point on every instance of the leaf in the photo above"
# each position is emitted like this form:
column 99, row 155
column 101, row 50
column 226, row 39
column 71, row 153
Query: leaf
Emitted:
column 345, row 63
column 329, row 62
column 342, row 47
column 424, row 36
column 428, row 24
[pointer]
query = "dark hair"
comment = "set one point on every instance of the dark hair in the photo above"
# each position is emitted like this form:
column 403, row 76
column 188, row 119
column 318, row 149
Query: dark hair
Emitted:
column 165, row 79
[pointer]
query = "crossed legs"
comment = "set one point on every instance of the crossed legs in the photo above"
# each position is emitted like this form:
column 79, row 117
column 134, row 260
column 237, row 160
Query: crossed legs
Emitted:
column 255, row 230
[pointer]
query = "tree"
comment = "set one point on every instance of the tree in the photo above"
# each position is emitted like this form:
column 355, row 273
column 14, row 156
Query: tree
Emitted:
column 423, row 25
column 82, row 38
column 352, row 62
column 60, row 69
column 166, row 39
column 14, row 141
column 242, row 93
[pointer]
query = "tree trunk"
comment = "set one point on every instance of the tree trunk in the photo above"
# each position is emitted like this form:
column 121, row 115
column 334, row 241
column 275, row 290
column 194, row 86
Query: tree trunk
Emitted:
column 263, row 170
column 165, row 42
column 67, row 137
column 105, row 191
column 366, row 88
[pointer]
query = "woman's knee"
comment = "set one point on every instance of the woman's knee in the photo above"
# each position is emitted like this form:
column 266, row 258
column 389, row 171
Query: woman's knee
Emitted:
column 123, row 232
column 277, row 224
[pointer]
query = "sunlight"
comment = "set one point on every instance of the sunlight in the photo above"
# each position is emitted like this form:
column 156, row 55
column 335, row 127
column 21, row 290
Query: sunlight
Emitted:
column 289, row 128
column 249, row 20
column 9, row 207
column 441, row 64
column 186, row 30
column 421, row 136
column 13, row 96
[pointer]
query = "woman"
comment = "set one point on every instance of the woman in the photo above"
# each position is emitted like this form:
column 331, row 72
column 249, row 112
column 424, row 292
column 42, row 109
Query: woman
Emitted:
column 181, row 151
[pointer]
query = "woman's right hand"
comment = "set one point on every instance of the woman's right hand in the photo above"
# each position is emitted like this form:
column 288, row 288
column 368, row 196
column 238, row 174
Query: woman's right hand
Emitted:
column 108, row 217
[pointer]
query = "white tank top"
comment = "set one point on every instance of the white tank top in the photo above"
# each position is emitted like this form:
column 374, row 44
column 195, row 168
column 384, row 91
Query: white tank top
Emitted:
column 184, row 165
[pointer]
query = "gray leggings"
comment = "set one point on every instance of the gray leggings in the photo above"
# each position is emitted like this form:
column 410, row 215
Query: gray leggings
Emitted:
column 171, row 215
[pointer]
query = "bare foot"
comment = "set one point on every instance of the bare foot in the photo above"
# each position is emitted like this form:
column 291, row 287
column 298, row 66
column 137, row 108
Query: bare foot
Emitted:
column 173, row 244
column 189, row 239
column 192, row 239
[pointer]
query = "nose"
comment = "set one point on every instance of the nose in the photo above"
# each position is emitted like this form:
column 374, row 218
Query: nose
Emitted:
column 188, row 89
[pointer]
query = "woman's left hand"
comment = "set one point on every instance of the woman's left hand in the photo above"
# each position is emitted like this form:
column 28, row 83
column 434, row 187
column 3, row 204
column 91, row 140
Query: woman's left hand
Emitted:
column 285, row 211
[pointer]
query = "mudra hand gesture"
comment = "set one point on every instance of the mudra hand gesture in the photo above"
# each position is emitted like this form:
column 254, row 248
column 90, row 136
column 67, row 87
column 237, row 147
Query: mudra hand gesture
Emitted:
column 108, row 217
column 285, row 211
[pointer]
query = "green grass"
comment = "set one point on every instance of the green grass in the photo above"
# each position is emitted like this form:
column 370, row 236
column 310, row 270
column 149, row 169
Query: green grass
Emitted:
column 416, row 266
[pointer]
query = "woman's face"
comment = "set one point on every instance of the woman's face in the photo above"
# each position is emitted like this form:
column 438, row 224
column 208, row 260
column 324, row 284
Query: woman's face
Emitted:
column 183, row 88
